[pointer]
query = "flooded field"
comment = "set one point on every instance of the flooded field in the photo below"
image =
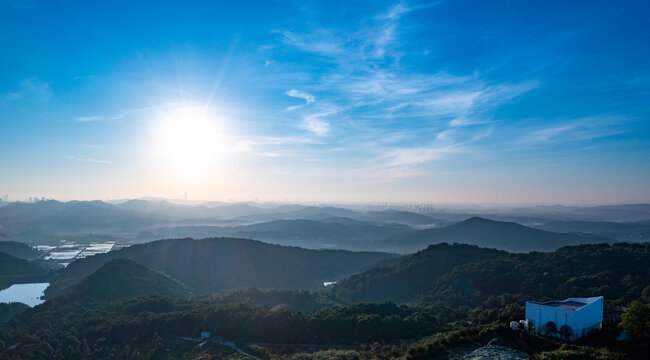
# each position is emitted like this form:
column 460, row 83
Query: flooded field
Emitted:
column 68, row 251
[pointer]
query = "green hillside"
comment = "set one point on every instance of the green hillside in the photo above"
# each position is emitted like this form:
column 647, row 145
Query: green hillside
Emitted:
column 18, row 249
column 121, row 279
column 211, row 265
column 457, row 275
column 13, row 269
column 13, row 266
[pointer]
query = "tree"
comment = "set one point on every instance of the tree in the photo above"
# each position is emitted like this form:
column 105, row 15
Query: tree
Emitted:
column 636, row 320
column 645, row 294
column 549, row 328
column 566, row 332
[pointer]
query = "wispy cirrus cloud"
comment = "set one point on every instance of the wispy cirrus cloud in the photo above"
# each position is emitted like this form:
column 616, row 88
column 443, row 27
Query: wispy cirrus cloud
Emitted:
column 88, row 159
column 30, row 89
column 101, row 117
column 317, row 124
column 372, row 89
column 128, row 112
column 322, row 42
column 581, row 129
column 309, row 98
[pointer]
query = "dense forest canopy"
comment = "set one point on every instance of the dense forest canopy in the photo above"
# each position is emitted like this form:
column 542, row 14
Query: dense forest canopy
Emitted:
column 468, row 275
column 123, row 279
column 456, row 293
column 209, row 265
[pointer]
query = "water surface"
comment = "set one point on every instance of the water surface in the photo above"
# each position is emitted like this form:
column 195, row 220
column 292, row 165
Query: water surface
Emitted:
column 29, row 294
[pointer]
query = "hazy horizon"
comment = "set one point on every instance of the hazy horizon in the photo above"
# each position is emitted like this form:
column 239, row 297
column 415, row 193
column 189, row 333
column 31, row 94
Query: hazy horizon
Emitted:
column 343, row 204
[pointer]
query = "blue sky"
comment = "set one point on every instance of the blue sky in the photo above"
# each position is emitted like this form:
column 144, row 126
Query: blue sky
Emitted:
column 444, row 102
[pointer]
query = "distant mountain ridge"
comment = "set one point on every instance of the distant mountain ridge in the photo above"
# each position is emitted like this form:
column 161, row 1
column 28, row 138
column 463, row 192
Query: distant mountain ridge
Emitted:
column 391, row 230
column 402, row 217
column 501, row 235
column 70, row 216
column 332, row 232
column 638, row 231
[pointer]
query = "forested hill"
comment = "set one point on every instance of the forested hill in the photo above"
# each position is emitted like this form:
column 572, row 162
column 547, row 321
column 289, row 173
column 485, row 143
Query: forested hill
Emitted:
column 13, row 266
column 18, row 249
column 468, row 275
column 122, row 279
column 13, row 269
column 209, row 265
column 502, row 235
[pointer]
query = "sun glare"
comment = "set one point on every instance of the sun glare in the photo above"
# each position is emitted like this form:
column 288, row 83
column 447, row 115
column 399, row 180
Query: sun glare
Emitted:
column 188, row 138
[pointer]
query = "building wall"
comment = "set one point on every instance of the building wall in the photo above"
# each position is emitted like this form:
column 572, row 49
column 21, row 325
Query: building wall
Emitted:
column 581, row 321
column 590, row 317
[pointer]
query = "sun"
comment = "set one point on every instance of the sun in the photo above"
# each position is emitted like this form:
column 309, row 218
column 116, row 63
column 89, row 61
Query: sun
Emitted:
column 188, row 138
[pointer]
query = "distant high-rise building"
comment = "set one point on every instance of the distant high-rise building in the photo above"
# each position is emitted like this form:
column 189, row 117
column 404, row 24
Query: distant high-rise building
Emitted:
column 185, row 196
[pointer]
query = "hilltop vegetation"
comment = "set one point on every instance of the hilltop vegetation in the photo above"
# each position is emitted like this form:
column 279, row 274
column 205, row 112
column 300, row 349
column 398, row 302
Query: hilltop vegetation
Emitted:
column 8, row 311
column 456, row 294
column 18, row 249
column 13, row 266
column 150, row 327
column 268, row 298
column 13, row 270
column 467, row 275
column 123, row 279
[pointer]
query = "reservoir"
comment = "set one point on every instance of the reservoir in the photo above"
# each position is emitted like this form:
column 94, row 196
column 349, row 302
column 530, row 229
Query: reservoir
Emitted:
column 29, row 294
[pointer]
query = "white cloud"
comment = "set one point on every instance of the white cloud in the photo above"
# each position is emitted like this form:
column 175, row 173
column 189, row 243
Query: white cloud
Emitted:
column 130, row 112
column 317, row 126
column 31, row 89
column 90, row 118
column 402, row 8
column 322, row 42
column 88, row 159
column 572, row 130
column 435, row 113
column 418, row 155
column 316, row 123
column 309, row 98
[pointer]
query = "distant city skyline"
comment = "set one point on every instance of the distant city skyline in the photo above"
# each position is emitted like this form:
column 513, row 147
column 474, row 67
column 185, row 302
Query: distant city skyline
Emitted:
column 445, row 102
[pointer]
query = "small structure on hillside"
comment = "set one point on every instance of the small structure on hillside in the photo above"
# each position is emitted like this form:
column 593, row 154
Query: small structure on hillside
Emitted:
column 205, row 339
column 569, row 319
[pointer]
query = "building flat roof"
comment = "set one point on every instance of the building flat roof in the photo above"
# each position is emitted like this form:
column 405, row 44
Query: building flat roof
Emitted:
column 569, row 305
column 572, row 304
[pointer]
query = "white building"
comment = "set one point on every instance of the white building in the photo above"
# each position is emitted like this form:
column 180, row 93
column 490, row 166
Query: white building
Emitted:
column 570, row 318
